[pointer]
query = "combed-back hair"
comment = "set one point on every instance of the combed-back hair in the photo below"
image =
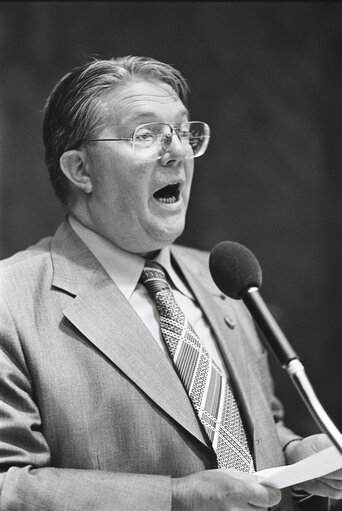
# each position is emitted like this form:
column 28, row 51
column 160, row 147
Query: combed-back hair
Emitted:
column 75, row 110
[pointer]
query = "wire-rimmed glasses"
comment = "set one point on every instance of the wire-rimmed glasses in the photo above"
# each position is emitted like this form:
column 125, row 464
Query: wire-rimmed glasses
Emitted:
column 154, row 139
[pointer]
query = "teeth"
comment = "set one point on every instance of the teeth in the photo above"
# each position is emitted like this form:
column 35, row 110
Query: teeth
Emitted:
column 169, row 194
column 167, row 200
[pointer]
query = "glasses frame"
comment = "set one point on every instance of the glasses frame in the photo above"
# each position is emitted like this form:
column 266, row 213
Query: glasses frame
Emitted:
column 175, row 129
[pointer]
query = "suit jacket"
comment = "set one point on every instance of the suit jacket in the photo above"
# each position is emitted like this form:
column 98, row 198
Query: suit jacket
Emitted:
column 92, row 415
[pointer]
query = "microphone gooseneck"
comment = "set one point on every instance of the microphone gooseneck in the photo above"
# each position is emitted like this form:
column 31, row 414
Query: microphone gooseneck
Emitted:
column 237, row 273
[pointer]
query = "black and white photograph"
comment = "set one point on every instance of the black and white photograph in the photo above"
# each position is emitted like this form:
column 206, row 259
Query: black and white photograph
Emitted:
column 170, row 256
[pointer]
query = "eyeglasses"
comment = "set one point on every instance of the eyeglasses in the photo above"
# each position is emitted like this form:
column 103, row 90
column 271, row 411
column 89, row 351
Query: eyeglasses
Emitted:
column 154, row 139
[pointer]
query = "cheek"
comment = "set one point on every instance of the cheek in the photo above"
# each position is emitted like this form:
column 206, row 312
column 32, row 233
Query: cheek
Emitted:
column 123, row 193
column 189, row 177
column 111, row 175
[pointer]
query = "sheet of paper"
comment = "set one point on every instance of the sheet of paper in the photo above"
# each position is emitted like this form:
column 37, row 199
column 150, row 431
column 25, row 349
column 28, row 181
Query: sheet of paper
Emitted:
column 317, row 465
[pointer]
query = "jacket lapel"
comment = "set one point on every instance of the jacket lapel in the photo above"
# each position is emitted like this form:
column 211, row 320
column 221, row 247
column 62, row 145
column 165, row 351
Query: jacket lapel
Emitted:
column 104, row 316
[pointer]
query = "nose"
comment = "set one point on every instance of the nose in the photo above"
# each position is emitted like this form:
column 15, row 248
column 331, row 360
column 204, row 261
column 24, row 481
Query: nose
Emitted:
column 176, row 151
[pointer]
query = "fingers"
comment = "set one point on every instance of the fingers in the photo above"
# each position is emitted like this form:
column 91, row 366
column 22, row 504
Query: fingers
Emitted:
column 333, row 482
column 264, row 496
column 252, row 507
column 337, row 474
column 319, row 442
column 327, row 486
column 331, row 487
column 222, row 490
column 258, row 496
column 324, row 488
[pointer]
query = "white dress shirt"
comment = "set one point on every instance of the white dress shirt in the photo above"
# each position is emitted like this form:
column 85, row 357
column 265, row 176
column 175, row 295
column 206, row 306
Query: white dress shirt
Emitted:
column 125, row 268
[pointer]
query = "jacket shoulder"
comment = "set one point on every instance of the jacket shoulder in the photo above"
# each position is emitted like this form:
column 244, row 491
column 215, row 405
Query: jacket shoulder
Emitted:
column 25, row 267
column 27, row 255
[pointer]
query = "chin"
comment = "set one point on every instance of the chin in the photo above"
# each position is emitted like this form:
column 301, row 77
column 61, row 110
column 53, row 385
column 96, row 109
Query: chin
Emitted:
column 171, row 233
column 156, row 235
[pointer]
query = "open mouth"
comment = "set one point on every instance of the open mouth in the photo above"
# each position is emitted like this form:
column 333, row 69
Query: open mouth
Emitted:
column 168, row 195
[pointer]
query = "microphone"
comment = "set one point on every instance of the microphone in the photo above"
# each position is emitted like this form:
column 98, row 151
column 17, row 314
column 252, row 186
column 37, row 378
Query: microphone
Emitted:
column 237, row 273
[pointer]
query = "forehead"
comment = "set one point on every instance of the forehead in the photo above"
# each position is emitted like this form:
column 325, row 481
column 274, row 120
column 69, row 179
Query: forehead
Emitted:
column 143, row 99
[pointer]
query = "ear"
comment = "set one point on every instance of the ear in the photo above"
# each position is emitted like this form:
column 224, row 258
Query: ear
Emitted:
column 73, row 165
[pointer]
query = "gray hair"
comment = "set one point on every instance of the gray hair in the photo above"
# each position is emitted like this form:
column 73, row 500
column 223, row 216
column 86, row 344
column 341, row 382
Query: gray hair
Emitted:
column 75, row 111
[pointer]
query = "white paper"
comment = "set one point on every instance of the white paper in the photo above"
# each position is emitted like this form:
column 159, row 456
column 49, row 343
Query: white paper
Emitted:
column 316, row 465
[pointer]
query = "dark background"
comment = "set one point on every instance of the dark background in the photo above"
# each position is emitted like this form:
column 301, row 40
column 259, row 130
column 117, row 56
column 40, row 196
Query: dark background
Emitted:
column 266, row 77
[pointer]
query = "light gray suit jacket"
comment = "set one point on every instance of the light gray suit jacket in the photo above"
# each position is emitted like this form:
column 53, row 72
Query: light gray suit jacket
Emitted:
column 92, row 415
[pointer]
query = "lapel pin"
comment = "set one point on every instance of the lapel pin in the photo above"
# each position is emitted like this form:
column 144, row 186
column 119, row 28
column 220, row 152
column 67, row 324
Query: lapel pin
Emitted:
column 230, row 321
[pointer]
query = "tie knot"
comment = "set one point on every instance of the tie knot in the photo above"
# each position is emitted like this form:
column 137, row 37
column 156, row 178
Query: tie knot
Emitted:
column 153, row 277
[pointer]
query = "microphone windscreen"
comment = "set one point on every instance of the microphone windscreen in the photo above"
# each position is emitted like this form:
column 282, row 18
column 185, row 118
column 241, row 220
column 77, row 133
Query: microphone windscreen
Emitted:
column 234, row 269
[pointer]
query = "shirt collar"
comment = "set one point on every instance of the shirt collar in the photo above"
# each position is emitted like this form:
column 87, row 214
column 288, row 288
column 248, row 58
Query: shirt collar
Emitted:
column 123, row 267
column 164, row 259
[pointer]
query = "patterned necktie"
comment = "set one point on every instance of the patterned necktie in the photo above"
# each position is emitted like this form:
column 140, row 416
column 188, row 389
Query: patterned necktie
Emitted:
column 204, row 382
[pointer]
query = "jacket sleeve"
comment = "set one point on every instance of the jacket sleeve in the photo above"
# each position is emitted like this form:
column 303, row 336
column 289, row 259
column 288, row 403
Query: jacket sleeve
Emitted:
column 28, row 482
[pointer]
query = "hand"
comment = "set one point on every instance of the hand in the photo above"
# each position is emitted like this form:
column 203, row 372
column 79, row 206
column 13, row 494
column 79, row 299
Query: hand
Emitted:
column 221, row 490
column 327, row 486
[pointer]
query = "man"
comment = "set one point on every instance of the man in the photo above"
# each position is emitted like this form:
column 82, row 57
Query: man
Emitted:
column 97, row 412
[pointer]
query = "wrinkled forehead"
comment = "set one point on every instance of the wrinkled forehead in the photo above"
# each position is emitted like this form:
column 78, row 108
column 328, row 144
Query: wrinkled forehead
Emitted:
column 141, row 99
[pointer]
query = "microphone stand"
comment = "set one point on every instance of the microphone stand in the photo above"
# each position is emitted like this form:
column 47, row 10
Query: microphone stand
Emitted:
column 296, row 371
column 291, row 363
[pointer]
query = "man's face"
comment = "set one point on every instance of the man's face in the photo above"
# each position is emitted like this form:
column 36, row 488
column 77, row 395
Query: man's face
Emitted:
column 127, row 205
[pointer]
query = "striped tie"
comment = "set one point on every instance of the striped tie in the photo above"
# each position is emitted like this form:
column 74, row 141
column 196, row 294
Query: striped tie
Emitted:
column 204, row 382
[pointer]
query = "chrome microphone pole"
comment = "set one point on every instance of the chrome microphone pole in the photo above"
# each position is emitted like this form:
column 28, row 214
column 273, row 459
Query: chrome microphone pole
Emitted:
column 296, row 371
column 288, row 359
column 237, row 273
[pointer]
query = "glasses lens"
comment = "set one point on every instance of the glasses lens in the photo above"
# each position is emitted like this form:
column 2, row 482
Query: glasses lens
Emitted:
column 154, row 139
column 198, row 137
